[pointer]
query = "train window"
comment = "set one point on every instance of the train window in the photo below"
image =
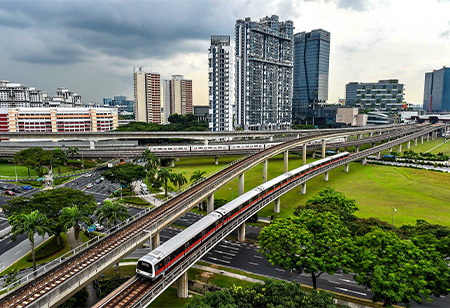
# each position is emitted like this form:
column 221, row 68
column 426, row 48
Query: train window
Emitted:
column 144, row 266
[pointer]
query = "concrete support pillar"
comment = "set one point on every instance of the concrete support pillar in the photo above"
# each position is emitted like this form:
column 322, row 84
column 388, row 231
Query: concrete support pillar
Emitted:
column 182, row 285
column 364, row 161
column 373, row 144
column 428, row 137
column 371, row 134
column 216, row 160
column 415, row 142
column 380, row 132
column 92, row 145
column 357, row 149
column 304, row 154
column 241, row 184
column 325, row 176
column 172, row 163
column 421, row 139
column 210, row 205
column 155, row 240
column 298, row 136
column 271, row 138
column 205, row 142
column 276, row 205
column 265, row 167
column 399, row 148
column 314, row 154
column 303, row 189
column 241, row 233
column 408, row 145
column 346, row 167
column 324, row 144
column 433, row 135
column 379, row 155
column 286, row 161
column 390, row 150
column 361, row 136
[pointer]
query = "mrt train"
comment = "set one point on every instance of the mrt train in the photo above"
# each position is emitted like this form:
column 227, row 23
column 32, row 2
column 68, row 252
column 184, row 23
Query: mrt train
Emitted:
column 164, row 257
column 226, row 147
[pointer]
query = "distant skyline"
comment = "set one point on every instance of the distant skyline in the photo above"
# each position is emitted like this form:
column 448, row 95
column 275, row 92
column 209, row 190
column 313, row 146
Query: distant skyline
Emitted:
column 91, row 47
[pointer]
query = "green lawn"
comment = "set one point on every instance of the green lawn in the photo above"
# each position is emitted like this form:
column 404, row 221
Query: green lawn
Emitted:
column 169, row 299
column 8, row 170
column 218, row 280
column 417, row 194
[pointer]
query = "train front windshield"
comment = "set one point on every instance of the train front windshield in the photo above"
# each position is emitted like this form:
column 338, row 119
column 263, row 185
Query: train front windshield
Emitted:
column 145, row 267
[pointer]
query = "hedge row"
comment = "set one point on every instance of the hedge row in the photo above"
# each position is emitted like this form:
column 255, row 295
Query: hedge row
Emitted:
column 46, row 250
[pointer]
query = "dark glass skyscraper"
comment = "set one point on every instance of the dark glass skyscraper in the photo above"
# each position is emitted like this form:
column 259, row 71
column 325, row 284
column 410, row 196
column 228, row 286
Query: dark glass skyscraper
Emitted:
column 311, row 67
column 437, row 90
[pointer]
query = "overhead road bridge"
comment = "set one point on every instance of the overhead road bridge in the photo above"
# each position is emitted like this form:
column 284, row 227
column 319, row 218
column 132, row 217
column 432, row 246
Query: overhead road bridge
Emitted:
column 203, row 136
column 63, row 277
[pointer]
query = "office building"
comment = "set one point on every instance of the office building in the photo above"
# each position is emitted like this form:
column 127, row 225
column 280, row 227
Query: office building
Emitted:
column 58, row 120
column 381, row 95
column 436, row 97
column 221, row 84
column 124, row 106
column 147, row 96
column 264, row 64
column 311, row 70
column 177, row 96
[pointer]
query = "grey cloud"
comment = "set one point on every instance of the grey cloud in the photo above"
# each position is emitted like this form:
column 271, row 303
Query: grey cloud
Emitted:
column 356, row 5
column 445, row 34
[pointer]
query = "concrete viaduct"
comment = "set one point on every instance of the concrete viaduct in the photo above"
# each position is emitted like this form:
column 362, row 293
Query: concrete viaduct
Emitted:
column 62, row 278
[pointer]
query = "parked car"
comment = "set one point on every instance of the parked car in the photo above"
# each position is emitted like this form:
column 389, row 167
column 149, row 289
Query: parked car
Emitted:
column 102, row 178
column 97, row 181
column 4, row 187
column 27, row 187
column 9, row 192
column 98, row 226
column 90, row 185
column 87, row 175
column 16, row 189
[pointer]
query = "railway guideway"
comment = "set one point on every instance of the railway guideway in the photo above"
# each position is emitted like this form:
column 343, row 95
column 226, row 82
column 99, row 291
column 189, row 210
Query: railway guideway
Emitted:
column 149, row 290
column 88, row 262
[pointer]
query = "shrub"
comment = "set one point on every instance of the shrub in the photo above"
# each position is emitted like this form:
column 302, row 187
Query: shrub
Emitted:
column 47, row 249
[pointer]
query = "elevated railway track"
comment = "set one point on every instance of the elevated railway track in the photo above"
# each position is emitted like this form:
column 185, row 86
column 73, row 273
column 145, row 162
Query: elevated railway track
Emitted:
column 64, row 277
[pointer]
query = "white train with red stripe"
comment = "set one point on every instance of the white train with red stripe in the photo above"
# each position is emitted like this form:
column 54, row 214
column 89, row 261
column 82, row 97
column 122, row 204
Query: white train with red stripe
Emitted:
column 161, row 259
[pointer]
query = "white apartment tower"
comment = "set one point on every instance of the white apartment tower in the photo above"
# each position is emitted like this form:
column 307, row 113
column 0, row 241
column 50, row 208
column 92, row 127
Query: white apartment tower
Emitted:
column 177, row 96
column 264, row 73
column 221, row 84
column 147, row 96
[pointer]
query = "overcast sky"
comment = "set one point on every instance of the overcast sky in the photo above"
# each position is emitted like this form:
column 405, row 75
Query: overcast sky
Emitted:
column 91, row 47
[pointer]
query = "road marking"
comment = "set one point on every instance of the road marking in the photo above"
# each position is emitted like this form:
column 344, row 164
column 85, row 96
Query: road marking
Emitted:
column 346, row 280
column 280, row 270
column 332, row 281
column 17, row 252
column 225, row 253
column 258, row 257
column 215, row 259
column 351, row 291
column 227, row 257
column 229, row 247
column 8, row 242
column 253, row 263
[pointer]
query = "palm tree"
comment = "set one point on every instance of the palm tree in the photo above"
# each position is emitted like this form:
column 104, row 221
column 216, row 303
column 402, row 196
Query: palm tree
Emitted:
column 197, row 176
column 179, row 179
column 72, row 216
column 164, row 175
column 151, row 174
column 59, row 158
column 32, row 223
column 72, row 152
column 151, row 161
column 112, row 212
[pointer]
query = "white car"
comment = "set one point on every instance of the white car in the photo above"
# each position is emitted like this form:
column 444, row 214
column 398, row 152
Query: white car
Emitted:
column 98, row 226
column 87, row 175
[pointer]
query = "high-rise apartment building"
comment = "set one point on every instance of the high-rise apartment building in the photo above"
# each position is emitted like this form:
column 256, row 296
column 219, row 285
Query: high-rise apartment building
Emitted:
column 311, row 69
column 147, row 96
column 382, row 95
column 177, row 96
column 436, row 96
column 264, row 60
column 14, row 95
column 221, row 84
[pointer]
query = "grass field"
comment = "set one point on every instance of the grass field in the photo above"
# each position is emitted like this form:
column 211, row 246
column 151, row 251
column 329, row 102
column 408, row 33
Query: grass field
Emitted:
column 417, row 194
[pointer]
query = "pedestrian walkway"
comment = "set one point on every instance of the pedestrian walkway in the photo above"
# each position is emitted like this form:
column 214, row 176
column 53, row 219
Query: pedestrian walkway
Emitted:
column 92, row 299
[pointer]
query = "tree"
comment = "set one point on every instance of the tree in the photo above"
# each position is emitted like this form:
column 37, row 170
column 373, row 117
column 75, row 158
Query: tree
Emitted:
column 328, row 199
column 151, row 177
column 32, row 223
column 164, row 175
column 179, row 179
column 72, row 217
column 112, row 212
column 33, row 158
column 197, row 176
column 313, row 242
column 150, row 160
column 219, row 203
column 59, row 158
column 273, row 293
column 125, row 174
column 362, row 226
column 72, row 152
column 50, row 203
column 397, row 271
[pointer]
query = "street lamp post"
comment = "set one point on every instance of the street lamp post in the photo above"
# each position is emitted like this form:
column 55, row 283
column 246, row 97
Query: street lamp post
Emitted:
column 393, row 211
column 82, row 160
column 231, row 193
column 15, row 168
